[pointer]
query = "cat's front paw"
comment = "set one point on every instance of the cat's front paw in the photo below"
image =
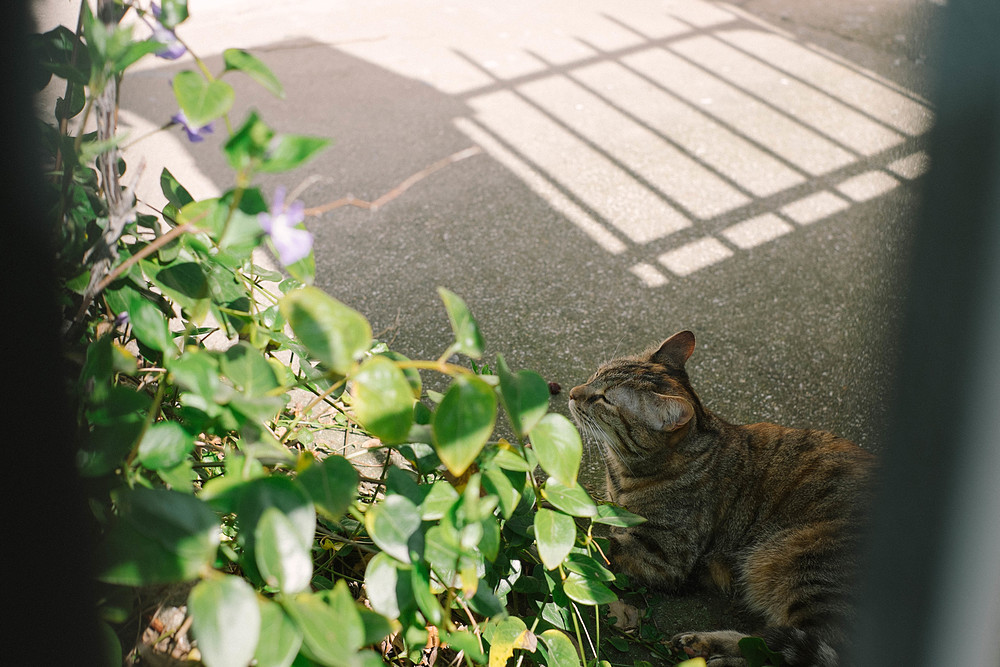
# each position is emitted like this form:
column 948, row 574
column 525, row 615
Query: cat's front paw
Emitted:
column 719, row 649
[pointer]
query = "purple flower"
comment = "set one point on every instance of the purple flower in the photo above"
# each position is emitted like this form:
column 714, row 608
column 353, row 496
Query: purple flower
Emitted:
column 195, row 134
column 172, row 47
column 281, row 224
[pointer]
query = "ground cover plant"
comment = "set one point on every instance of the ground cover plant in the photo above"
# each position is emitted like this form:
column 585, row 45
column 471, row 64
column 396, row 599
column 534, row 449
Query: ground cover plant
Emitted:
column 202, row 472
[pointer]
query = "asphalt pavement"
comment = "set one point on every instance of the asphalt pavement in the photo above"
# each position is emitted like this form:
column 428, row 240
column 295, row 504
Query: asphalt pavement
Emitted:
column 746, row 170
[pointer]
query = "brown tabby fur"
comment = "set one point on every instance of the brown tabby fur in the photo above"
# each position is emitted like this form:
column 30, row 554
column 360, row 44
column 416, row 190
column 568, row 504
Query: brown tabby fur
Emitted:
column 770, row 512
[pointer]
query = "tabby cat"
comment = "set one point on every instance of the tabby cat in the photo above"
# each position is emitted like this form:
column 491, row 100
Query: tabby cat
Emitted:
column 771, row 513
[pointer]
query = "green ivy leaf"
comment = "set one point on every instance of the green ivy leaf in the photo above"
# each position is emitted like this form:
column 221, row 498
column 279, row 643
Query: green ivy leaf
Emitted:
column 175, row 193
column 468, row 340
column 248, row 369
column 555, row 533
column 283, row 636
column 448, row 557
column 164, row 446
column 197, row 371
column 587, row 591
column 463, row 423
column 428, row 604
column 561, row 652
column 149, row 323
column 225, row 619
column 377, row 627
column 332, row 484
column 558, row 446
column 758, row 654
column 392, row 523
column 202, row 101
column 525, row 397
column 496, row 482
column 173, row 13
column 334, row 333
column 243, row 61
column 382, row 400
column 613, row 515
column 161, row 537
column 588, row 566
column 61, row 46
column 184, row 282
column 509, row 634
column 95, row 379
column 332, row 630
column 288, row 151
column 282, row 558
column 249, row 143
column 572, row 499
column 464, row 640
column 508, row 459
column 383, row 586
column 441, row 497
column 256, row 497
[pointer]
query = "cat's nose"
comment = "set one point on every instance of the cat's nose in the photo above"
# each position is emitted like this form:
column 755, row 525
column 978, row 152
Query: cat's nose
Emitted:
column 578, row 393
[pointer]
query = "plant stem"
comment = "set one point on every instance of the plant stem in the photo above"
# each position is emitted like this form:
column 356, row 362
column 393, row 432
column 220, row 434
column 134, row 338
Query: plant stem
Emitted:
column 306, row 410
column 441, row 366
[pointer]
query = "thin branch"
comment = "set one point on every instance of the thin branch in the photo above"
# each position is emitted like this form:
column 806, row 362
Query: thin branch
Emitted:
column 146, row 251
column 350, row 200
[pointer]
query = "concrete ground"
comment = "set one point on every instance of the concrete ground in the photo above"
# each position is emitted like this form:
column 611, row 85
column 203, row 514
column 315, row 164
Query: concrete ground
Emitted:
column 746, row 170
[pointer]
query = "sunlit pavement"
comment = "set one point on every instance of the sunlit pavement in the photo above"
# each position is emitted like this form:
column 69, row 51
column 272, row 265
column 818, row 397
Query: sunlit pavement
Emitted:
column 746, row 170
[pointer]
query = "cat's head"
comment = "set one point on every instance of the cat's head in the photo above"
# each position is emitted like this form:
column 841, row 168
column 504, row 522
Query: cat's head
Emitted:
column 636, row 406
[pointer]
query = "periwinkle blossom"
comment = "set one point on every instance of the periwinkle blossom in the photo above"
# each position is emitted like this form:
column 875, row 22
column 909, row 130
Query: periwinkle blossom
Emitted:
column 172, row 47
column 195, row 134
column 291, row 242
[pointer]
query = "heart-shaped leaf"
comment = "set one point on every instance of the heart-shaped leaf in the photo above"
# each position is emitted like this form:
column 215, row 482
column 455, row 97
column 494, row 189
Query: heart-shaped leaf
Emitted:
column 561, row 651
column 468, row 340
column 289, row 151
column 202, row 101
column 587, row 591
column 165, row 445
column 226, row 620
column 463, row 423
column 509, row 634
column 559, row 448
column 333, row 332
column 525, row 397
column 283, row 560
column 283, row 636
column 572, row 499
column 555, row 533
column 248, row 369
column 383, row 400
column 391, row 524
column 613, row 515
column 332, row 484
column 244, row 61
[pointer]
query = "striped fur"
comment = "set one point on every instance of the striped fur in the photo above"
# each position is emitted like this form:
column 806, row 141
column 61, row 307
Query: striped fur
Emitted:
column 769, row 512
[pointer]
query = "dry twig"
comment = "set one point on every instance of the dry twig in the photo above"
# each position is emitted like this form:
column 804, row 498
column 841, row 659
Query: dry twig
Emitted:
column 350, row 200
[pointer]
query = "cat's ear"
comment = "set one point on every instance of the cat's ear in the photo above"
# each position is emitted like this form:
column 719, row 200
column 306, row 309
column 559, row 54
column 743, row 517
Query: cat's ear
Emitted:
column 664, row 413
column 674, row 351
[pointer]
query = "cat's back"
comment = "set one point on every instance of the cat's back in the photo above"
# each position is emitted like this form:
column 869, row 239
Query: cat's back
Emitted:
column 802, row 474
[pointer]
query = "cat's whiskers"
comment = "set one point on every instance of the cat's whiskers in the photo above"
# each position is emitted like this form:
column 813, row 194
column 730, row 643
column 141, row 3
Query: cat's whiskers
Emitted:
column 604, row 441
